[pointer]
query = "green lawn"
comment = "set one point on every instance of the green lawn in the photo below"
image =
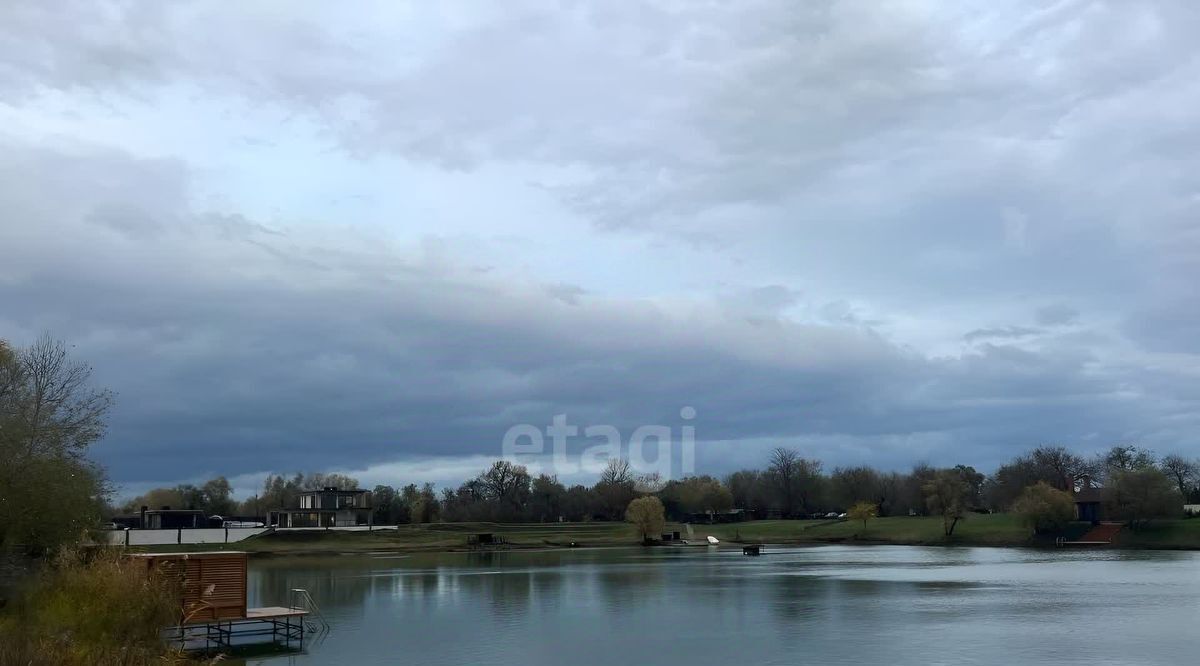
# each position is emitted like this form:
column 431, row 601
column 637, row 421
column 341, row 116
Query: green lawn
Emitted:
column 997, row 529
column 1174, row 534
column 976, row 529
column 431, row 537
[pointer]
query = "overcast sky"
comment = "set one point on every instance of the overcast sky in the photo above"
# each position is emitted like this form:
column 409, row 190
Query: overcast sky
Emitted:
column 310, row 236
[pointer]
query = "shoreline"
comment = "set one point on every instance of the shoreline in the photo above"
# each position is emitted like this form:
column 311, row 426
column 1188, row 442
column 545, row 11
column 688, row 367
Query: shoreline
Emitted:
column 995, row 530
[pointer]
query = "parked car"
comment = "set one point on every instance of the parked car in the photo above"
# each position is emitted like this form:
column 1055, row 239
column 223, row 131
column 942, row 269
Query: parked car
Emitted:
column 831, row 514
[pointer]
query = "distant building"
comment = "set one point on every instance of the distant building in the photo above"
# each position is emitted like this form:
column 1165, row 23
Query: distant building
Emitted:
column 1089, row 499
column 167, row 518
column 327, row 507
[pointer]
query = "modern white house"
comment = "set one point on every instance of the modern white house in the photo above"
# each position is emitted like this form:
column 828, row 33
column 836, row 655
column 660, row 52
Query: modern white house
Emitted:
column 327, row 507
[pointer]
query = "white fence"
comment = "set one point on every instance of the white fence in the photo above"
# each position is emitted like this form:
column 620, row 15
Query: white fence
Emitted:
column 343, row 528
column 182, row 535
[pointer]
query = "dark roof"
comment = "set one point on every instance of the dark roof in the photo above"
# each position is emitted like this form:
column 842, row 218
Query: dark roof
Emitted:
column 1091, row 494
column 174, row 511
column 338, row 491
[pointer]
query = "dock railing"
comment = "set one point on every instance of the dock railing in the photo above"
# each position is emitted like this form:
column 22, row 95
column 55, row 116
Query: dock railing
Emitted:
column 317, row 624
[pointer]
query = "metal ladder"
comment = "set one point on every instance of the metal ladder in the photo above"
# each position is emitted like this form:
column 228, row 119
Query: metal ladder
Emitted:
column 315, row 623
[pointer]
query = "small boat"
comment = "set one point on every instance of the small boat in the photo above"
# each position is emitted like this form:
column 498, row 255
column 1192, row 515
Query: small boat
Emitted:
column 712, row 540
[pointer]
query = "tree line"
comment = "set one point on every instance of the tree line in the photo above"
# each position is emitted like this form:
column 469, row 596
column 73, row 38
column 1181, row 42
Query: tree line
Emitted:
column 50, row 493
column 1136, row 484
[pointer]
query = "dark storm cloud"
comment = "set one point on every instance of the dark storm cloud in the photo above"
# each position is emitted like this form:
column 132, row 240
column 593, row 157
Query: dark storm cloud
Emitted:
column 957, row 230
column 313, row 358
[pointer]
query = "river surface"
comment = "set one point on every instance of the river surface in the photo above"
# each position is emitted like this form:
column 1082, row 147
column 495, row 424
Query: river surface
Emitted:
column 819, row 605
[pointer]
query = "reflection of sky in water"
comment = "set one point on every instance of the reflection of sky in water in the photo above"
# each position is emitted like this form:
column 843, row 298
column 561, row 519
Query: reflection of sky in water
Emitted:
column 836, row 604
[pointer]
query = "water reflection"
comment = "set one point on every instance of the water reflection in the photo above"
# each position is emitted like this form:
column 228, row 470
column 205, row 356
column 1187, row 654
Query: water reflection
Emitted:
column 833, row 604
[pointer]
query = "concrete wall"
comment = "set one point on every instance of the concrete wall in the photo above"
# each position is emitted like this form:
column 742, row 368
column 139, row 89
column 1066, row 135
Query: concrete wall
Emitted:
column 184, row 535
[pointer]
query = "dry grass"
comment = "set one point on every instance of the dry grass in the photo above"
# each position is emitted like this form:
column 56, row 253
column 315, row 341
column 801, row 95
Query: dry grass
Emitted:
column 90, row 608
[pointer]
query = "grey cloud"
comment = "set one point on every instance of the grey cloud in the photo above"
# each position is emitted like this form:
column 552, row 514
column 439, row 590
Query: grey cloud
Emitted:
column 1167, row 327
column 1002, row 332
column 284, row 365
column 128, row 220
column 1057, row 314
column 567, row 293
column 906, row 166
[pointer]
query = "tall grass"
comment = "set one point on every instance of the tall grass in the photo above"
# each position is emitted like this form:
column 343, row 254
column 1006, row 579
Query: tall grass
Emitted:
column 94, row 608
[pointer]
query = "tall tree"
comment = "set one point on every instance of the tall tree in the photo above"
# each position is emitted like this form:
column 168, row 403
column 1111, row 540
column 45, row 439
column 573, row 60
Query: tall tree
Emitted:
column 546, row 498
column 699, row 494
column 1183, row 472
column 318, row 480
column 388, row 507
column 784, row 471
column 49, row 414
column 50, row 407
column 421, row 502
column 948, row 495
column 1059, row 465
column 217, row 496
column 1138, row 495
column 506, row 486
column 796, row 482
column 850, row 485
column 646, row 514
column 616, row 488
column 749, row 490
column 1124, row 458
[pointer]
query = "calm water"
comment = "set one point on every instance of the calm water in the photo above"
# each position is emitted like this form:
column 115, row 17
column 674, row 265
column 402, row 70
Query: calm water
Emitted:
column 833, row 605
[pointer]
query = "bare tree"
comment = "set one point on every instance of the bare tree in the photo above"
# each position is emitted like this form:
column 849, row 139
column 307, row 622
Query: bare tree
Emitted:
column 508, row 486
column 784, row 470
column 1124, row 458
column 618, row 471
column 616, row 487
column 1060, row 465
column 49, row 414
column 849, row 485
column 1138, row 495
column 1182, row 471
column 50, row 405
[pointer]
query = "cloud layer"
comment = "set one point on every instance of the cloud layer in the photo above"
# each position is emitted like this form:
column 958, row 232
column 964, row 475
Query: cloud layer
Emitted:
column 303, row 238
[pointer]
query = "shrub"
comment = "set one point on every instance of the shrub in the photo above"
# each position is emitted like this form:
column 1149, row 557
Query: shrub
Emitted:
column 99, row 608
column 862, row 511
column 1044, row 508
column 1139, row 495
column 646, row 513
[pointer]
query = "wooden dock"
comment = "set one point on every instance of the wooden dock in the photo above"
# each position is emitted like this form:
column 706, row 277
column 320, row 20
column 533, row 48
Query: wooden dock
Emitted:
column 285, row 626
column 1102, row 534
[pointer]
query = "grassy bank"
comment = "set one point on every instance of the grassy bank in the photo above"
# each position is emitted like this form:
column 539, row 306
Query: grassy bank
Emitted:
column 429, row 537
column 96, row 608
column 976, row 530
column 996, row 529
column 1183, row 534
column 980, row 530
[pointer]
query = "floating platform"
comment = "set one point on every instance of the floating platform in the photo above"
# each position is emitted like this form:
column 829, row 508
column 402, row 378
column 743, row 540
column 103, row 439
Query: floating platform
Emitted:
column 285, row 626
